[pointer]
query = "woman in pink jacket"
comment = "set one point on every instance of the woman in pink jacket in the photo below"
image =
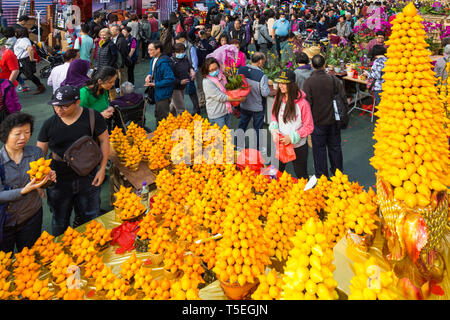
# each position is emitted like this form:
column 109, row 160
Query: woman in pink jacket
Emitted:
column 241, row 60
column 292, row 121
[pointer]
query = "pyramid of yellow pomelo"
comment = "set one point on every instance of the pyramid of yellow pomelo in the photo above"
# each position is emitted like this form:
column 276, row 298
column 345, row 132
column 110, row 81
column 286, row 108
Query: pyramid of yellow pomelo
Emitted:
column 411, row 149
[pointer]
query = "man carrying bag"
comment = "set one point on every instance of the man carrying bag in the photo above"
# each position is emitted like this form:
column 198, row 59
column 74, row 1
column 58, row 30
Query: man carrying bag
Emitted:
column 327, row 97
column 79, row 163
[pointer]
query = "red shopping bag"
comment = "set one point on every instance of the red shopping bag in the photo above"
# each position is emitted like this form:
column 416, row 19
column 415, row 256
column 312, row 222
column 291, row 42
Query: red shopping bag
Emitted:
column 250, row 158
column 285, row 153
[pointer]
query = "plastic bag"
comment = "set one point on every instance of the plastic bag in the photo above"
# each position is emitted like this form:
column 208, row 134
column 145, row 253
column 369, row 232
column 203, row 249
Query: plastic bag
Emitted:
column 285, row 153
column 238, row 93
column 250, row 158
column 125, row 235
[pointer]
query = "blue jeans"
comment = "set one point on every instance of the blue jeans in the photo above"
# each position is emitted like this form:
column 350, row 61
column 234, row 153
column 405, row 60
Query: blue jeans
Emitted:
column 78, row 194
column 258, row 121
column 222, row 121
column 21, row 81
column 22, row 236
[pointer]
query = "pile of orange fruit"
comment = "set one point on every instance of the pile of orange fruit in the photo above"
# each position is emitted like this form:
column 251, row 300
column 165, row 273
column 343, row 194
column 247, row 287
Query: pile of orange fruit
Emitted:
column 93, row 267
column 286, row 216
column 83, row 250
column 39, row 169
column 145, row 149
column 142, row 278
column 69, row 294
column 112, row 286
column 5, row 263
column 242, row 253
column 25, row 274
column 308, row 274
column 340, row 191
column 46, row 248
column 163, row 144
column 206, row 250
column 370, row 283
column 132, row 158
column 97, row 233
column 38, row 291
column 4, row 289
column 411, row 149
column 116, row 138
column 128, row 204
column 129, row 268
column 122, row 149
column 362, row 215
column 59, row 267
column 270, row 286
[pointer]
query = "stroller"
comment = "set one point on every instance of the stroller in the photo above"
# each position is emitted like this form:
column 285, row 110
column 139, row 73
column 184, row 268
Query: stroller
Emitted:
column 54, row 59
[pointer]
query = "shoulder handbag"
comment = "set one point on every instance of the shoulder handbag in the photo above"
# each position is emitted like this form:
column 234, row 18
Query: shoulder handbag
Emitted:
column 84, row 154
column 340, row 109
column 4, row 214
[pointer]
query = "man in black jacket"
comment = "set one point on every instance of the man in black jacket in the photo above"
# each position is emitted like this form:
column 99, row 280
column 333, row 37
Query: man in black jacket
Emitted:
column 237, row 32
column 320, row 89
column 122, row 45
column 96, row 21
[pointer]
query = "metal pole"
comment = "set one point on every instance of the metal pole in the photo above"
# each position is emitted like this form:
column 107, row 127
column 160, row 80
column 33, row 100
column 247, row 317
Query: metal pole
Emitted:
column 39, row 25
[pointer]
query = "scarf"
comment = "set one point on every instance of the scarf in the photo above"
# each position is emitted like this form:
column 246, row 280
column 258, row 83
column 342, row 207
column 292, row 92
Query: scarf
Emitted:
column 221, row 86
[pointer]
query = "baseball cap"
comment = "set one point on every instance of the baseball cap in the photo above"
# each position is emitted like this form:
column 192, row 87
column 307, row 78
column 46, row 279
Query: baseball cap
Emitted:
column 286, row 76
column 65, row 95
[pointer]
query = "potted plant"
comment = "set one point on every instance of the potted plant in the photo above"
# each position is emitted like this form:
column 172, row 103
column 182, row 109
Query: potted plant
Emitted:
column 237, row 85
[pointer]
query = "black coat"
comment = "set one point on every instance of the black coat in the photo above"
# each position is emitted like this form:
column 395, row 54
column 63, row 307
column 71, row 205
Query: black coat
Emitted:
column 239, row 35
column 181, row 69
column 122, row 46
column 107, row 55
column 319, row 90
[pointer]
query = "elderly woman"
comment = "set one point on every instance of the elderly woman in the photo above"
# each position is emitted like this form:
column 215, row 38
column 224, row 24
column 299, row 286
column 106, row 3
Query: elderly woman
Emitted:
column 343, row 28
column 128, row 97
column 21, row 221
column 108, row 52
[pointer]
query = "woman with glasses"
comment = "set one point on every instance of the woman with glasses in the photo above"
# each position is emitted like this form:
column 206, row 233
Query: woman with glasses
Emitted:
column 95, row 94
column 72, row 192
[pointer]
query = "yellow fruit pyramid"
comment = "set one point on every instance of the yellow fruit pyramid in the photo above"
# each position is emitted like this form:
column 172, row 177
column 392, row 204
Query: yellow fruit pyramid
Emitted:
column 411, row 152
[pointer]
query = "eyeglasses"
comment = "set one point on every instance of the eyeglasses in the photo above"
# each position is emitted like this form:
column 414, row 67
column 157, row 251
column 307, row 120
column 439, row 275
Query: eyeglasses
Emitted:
column 65, row 107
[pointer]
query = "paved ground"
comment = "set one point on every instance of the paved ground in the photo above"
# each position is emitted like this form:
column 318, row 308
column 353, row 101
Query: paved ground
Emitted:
column 357, row 140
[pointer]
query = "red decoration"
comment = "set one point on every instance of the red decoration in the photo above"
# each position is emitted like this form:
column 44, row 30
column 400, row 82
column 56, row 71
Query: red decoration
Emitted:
column 124, row 235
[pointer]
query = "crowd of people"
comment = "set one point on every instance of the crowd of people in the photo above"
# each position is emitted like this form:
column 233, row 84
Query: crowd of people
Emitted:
column 184, row 58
